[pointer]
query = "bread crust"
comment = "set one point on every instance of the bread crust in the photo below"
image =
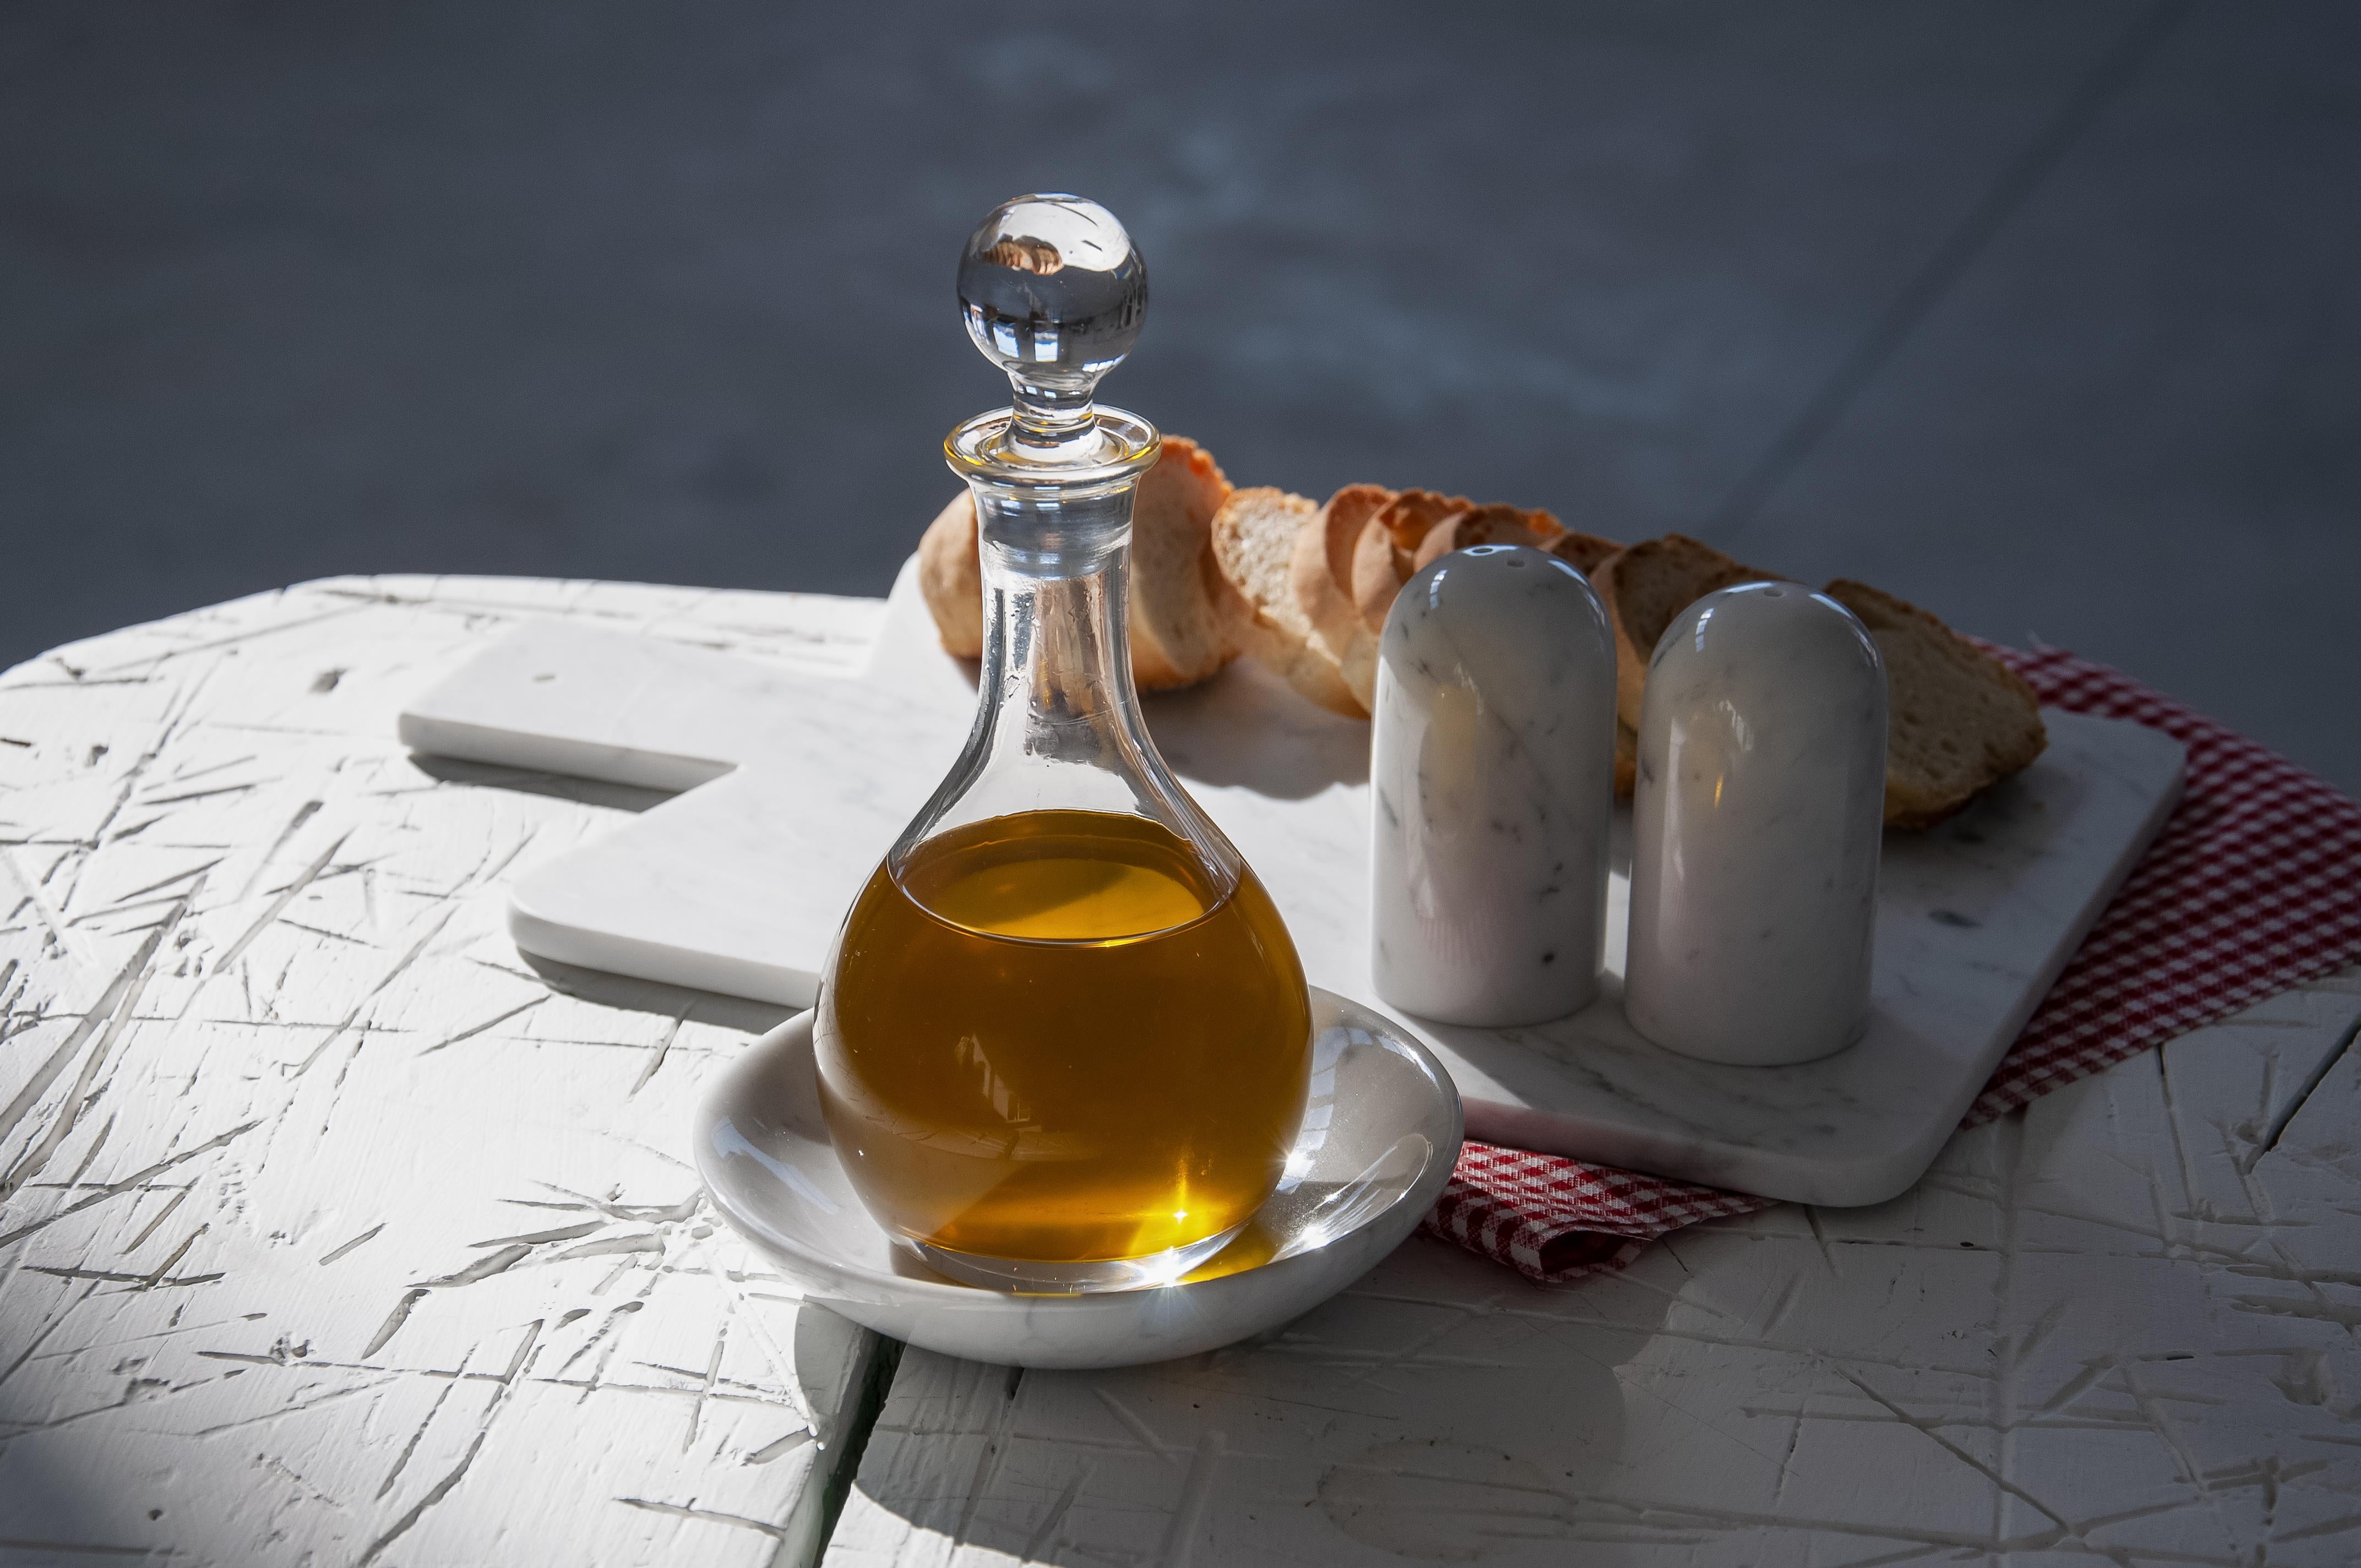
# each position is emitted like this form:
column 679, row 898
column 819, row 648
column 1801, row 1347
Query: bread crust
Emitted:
column 1583, row 552
column 951, row 580
column 1321, row 575
column 1411, row 513
column 1255, row 535
column 1404, row 522
column 1485, row 525
column 1178, row 635
column 1643, row 586
column 1376, row 577
column 1958, row 720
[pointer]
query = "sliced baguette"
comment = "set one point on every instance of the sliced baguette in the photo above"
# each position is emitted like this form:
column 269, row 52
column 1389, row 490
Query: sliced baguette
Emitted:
column 1583, row 552
column 1178, row 636
column 1645, row 585
column 1957, row 719
column 1411, row 515
column 1321, row 573
column 1485, row 525
column 949, row 579
column 1254, row 536
column 1375, row 576
column 1383, row 556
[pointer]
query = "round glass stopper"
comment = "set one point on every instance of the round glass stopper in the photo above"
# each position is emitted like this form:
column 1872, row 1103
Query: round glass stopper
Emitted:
column 1055, row 293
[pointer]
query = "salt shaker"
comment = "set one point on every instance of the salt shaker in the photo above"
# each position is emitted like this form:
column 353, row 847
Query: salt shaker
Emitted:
column 1756, row 826
column 1493, row 769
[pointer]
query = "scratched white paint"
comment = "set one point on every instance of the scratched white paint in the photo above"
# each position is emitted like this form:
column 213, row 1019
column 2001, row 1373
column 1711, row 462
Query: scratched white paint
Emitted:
column 2119, row 1327
column 330, row 1231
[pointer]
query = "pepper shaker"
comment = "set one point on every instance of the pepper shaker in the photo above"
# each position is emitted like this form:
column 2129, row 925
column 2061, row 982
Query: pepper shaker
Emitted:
column 1493, row 768
column 1755, row 823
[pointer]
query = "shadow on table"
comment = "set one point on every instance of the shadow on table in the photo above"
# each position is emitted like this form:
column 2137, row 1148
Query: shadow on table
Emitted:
column 526, row 781
column 63, row 1500
column 654, row 996
column 1441, row 1409
column 1247, row 728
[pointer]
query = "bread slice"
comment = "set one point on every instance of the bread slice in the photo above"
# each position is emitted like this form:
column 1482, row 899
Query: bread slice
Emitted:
column 1957, row 719
column 1583, row 552
column 1321, row 573
column 1485, row 525
column 1178, row 637
column 1645, row 585
column 1375, row 576
column 949, row 579
column 1382, row 556
column 1254, row 536
column 1413, row 514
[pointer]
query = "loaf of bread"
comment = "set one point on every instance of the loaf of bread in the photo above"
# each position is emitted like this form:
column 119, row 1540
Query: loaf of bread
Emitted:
column 1306, row 588
column 1177, row 633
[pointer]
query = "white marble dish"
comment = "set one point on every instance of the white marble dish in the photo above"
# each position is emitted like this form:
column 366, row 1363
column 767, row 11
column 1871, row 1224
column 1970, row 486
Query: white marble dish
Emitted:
column 738, row 884
column 1378, row 1141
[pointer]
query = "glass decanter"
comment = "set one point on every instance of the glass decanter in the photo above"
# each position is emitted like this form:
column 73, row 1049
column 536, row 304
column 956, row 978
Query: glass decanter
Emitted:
column 1064, row 1042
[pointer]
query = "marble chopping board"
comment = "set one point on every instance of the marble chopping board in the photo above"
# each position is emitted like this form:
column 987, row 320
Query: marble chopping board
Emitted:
column 794, row 783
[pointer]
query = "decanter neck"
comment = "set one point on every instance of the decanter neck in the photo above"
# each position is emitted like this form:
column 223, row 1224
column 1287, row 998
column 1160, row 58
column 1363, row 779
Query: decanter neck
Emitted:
column 1057, row 683
column 1058, row 722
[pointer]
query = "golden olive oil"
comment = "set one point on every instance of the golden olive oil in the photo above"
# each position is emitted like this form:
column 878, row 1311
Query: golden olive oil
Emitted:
column 1053, row 1037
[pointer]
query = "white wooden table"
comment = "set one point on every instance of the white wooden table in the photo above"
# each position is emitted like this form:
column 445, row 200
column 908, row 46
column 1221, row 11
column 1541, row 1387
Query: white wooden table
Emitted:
column 332, row 1231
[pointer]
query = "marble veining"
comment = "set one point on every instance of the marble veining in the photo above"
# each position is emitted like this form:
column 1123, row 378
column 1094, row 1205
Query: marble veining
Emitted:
column 737, row 886
column 1493, row 762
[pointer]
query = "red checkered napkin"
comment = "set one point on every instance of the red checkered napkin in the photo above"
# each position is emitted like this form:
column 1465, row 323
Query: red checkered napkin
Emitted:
column 2253, row 886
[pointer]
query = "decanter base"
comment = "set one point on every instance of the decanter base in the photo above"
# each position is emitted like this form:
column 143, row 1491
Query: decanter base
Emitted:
column 1032, row 1277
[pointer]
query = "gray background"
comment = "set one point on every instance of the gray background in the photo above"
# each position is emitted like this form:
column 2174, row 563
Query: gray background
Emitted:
column 2045, row 316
